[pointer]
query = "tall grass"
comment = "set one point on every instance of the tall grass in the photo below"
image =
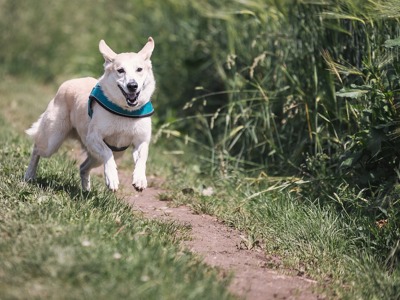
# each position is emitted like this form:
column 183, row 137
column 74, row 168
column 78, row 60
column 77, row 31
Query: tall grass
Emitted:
column 311, row 90
column 281, row 94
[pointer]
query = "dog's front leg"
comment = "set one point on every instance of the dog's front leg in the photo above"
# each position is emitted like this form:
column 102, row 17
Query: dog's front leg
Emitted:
column 140, row 155
column 96, row 146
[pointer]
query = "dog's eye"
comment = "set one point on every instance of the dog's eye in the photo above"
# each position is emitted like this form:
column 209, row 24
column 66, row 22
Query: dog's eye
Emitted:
column 121, row 70
column 139, row 69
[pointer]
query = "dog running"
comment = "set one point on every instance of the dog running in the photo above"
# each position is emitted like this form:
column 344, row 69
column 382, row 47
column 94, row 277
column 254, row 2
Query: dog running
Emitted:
column 106, row 116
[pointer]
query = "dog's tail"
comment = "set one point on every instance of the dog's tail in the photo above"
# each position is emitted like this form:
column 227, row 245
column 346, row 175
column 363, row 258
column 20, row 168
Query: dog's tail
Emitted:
column 33, row 130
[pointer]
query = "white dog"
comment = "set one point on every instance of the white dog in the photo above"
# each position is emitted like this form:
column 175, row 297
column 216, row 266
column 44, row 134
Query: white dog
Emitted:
column 106, row 115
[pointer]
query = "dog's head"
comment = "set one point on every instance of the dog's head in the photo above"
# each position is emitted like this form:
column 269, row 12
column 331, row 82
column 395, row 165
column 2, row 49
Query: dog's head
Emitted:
column 128, row 78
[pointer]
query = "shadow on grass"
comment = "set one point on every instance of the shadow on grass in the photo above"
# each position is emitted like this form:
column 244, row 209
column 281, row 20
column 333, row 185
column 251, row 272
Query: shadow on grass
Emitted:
column 71, row 186
column 98, row 197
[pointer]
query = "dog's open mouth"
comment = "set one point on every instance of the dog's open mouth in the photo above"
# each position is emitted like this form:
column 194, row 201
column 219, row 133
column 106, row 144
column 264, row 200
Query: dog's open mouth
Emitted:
column 131, row 98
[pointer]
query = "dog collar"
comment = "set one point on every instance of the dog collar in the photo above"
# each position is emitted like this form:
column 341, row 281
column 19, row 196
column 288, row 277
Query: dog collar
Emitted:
column 98, row 96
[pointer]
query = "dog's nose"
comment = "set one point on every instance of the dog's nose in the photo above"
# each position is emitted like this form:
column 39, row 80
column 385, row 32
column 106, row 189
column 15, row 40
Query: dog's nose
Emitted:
column 132, row 86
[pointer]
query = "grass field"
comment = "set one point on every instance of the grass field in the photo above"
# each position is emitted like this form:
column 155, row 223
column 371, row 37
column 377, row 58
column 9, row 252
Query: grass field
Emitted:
column 288, row 110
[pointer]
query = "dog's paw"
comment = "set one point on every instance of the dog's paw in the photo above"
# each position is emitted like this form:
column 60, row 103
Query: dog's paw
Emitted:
column 85, row 181
column 112, row 183
column 139, row 183
column 29, row 177
column 111, row 175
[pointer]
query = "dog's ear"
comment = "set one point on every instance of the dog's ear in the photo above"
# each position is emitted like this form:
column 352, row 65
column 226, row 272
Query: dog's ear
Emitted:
column 107, row 52
column 147, row 49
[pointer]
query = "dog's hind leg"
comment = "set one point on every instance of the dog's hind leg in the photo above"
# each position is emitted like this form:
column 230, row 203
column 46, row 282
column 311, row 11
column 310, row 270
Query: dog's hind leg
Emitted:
column 85, row 169
column 30, row 173
column 48, row 133
column 43, row 148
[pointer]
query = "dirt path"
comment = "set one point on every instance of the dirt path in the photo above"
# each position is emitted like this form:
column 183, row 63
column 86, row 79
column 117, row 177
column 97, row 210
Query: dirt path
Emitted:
column 220, row 247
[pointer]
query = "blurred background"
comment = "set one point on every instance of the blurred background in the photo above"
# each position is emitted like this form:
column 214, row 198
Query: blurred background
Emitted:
column 286, row 88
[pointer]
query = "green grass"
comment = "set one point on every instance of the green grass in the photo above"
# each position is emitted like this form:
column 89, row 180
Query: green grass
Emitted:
column 59, row 243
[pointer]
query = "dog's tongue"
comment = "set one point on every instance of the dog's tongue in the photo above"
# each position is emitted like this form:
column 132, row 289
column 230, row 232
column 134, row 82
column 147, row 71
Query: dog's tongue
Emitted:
column 131, row 99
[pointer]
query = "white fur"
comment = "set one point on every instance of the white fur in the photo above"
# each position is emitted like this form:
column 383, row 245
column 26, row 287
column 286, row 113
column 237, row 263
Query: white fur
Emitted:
column 66, row 116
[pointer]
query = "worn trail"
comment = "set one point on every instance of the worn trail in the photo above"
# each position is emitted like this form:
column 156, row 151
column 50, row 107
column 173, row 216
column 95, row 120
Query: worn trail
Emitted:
column 219, row 246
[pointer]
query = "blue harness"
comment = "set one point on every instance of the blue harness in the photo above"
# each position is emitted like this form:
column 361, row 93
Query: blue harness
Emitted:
column 98, row 96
